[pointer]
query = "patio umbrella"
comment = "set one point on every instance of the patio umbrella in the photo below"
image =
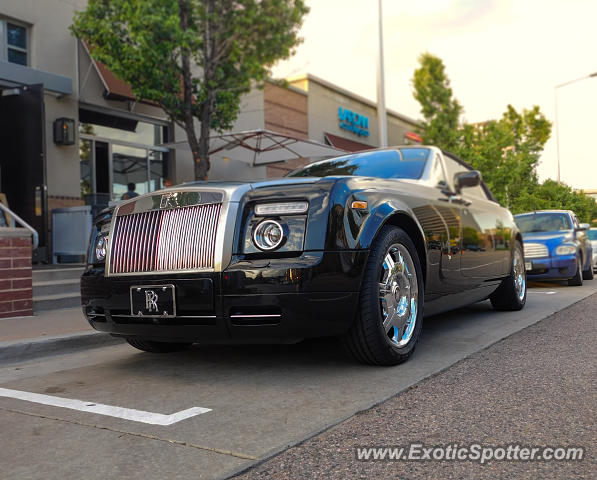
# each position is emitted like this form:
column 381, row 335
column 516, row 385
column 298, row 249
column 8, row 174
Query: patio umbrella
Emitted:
column 261, row 147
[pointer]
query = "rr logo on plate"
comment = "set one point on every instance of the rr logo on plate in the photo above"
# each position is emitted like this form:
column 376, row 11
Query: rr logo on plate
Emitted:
column 151, row 301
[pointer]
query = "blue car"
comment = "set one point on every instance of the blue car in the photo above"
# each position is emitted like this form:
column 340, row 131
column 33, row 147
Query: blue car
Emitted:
column 556, row 246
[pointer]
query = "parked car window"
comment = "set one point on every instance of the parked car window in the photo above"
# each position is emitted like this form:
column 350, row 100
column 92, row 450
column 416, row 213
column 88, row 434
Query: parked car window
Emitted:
column 543, row 222
column 405, row 163
column 592, row 234
column 453, row 168
column 438, row 174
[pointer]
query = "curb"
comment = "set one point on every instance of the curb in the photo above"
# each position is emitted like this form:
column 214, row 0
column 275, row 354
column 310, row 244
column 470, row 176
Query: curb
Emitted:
column 39, row 347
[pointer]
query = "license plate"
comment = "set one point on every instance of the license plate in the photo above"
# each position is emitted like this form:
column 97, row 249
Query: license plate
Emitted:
column 153, row 301
column 528, row 265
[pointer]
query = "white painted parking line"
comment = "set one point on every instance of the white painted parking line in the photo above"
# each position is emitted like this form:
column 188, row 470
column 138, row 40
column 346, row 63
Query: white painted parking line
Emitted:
column 109, row 410
column 551, row 292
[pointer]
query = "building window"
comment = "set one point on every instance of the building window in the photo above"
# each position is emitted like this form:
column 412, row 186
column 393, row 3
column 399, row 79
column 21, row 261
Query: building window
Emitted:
column 117, row 151
column 13, row 42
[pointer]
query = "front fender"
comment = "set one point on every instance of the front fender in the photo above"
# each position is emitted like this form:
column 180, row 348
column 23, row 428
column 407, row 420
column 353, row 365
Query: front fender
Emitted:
column 380, row 215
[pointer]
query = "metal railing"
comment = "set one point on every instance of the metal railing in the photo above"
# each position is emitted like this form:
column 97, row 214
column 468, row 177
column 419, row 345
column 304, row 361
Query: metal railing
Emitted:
column 13, row 218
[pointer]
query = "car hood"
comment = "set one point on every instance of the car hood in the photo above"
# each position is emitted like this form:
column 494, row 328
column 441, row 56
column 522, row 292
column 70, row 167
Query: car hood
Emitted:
column 253, row 184
column 550, row 239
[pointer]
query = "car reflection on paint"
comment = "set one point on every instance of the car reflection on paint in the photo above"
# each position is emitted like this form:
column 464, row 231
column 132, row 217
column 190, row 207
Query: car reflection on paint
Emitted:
column 556, row 246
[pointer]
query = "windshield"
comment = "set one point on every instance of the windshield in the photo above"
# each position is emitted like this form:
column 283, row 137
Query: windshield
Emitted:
column 406, row 163
column 592, row 234
column 543, row 222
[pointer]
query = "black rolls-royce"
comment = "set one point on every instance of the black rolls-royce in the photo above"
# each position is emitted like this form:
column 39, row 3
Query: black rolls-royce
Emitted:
column 358, row 246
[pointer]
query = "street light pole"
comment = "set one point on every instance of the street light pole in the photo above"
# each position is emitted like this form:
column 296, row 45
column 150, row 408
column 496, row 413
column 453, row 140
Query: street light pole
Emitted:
column 555, row 95
column 381, row 94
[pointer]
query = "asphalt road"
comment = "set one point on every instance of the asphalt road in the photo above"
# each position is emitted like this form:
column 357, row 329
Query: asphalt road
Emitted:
column 263, row 399
column 535, row 388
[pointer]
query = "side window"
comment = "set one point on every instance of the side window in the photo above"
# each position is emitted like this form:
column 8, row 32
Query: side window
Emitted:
column 437, row 173
column 453, row 167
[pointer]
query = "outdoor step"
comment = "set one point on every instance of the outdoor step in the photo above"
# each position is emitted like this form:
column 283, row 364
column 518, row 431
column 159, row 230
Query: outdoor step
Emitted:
column 53, row 302
column 47, row 274
column 56, row 287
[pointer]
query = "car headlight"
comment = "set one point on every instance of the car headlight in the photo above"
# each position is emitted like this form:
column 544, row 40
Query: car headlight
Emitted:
column 268, row 235
column 566, row 250
column 286, row 208
column 100, row 248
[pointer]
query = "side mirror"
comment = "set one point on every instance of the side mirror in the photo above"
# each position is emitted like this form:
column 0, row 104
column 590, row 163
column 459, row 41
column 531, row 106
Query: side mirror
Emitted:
column 470, row 178
column 584, row 226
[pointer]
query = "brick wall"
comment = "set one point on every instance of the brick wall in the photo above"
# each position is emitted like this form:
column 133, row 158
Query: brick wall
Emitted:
column 285, row 112
column 16, row 294
column 278, row 170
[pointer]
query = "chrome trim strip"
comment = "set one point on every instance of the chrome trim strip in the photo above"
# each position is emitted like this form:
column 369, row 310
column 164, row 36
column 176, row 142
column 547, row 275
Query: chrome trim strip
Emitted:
column 177, row 316
column 256, row 316
column 224, row 236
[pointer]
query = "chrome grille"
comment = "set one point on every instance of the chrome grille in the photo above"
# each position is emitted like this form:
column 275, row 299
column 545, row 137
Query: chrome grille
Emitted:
column 165, row 240
column 535, row 250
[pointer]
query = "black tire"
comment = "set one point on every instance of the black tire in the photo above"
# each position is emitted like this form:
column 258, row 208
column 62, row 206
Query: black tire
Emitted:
column 366, row 340
column 588, row 274
column 511, row 295
column 576, row 281
column 157, row 347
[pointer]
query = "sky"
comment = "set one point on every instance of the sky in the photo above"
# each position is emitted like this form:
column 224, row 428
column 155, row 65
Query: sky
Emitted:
column 496, row 52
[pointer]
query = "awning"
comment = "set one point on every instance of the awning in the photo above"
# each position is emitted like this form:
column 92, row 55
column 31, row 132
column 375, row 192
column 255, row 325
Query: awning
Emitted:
column 346, row 144
column 262, row 147
column 116, row 89
column 12, row 75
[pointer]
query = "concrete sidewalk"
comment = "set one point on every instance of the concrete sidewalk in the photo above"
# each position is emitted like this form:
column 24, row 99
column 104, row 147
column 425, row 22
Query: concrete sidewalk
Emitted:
column 47, row 333
column 45, row 323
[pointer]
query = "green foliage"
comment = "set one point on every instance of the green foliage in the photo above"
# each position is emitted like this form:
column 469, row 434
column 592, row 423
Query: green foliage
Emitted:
column 195, row 58
column 506, row 151
column 440, row 110
column 553, row 195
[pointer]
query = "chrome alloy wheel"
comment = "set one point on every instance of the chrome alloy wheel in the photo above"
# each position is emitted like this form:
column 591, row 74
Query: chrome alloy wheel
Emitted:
column 398, row 295
column 520, row 278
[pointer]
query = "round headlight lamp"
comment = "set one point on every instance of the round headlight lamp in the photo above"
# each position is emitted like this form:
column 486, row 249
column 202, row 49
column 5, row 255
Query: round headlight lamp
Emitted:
column 268, row 235
column 566, row 250
column 101, row 245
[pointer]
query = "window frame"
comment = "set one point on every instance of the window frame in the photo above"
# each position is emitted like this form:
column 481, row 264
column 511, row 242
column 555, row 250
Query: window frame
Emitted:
column 5, row 47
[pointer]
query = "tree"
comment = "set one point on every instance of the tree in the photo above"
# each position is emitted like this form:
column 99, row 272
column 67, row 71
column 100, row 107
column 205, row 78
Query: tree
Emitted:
column 194, row 58
column 553, row 195
column 507, row 152
column 438, row 106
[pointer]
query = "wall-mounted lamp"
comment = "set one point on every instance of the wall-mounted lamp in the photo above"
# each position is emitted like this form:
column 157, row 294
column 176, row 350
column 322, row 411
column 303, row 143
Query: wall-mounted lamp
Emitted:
column 64, row 131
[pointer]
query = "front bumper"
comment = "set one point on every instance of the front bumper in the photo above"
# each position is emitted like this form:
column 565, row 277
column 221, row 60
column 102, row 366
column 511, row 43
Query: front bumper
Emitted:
column 561, row 267
column 281, row 299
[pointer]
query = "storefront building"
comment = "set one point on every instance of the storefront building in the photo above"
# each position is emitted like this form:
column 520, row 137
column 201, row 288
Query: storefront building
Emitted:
column 74, row 134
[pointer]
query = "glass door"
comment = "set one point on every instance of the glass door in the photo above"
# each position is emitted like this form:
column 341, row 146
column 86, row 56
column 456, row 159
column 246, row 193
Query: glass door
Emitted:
column 129, row 171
